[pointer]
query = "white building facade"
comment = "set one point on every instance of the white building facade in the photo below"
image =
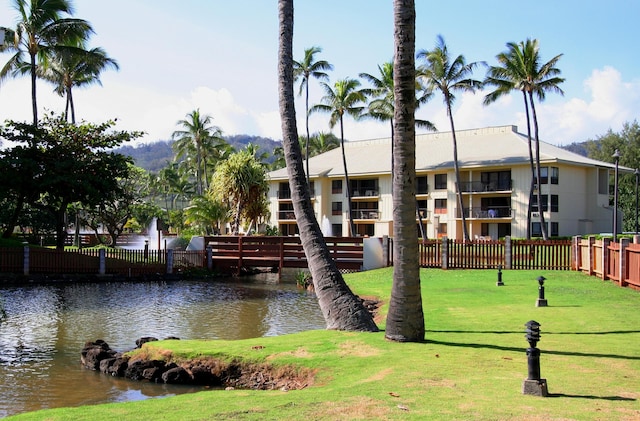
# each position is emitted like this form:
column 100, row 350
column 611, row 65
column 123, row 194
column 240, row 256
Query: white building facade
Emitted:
column 495, row 183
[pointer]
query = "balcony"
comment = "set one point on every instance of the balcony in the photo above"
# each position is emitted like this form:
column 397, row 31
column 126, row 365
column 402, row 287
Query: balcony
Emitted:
column 366, row 193
column 424, row 213
column 488, row 213
column 286, row 215
column 286, row 194
column 367, row 214
column 480, row 187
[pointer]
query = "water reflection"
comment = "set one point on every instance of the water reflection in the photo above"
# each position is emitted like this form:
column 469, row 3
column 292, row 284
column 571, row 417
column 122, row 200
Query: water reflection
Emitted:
column 43, row 329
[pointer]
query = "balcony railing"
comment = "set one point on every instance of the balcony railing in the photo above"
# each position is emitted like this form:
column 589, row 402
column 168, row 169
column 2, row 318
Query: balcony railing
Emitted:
column 365, row 193
column 479, row 186
column 487, row 213
column 286, row 194
column 422, row 189
column 371, row 214
column 284, row 215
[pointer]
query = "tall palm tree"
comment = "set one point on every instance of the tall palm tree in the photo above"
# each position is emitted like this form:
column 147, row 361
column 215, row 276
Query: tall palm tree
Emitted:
column 76, row 67
column 41, row 30
column 382, row 108
column 322, row 142
column 519, row 69
column 343, row 98
column 405, row 319
column 447, row 76
column 205, row 214
column 304, row 69
column 197, row 137
column 342, row 310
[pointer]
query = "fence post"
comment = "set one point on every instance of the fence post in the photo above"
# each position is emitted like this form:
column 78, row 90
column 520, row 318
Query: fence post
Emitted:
column 590, row 254
column 605, row 258
column 507, row 252
column 25, row 260
column 575, row 252
column 209, row 257
column 385, row 249
column 445, row 253
column 102, row 256
column 636, row 239
column 169, row 261
column 622, row 269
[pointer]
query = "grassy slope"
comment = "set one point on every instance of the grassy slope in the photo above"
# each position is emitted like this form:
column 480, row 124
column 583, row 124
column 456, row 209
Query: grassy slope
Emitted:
column 471, row 367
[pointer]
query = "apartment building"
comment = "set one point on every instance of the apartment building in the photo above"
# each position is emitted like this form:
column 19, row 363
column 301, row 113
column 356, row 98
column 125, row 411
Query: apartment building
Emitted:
column 495, row 183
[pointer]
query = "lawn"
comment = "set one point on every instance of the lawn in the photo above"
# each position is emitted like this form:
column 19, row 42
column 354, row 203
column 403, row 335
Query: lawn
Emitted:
column 471, row 366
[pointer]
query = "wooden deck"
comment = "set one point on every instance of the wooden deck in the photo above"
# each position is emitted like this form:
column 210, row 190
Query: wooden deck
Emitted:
column 237, row 253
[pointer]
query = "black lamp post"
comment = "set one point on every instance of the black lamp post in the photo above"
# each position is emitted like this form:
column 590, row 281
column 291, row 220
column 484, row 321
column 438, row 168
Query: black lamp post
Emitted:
column 637, row 173
column 541, row 302
column 616, row 157
column 499, row 283
column 533, row 384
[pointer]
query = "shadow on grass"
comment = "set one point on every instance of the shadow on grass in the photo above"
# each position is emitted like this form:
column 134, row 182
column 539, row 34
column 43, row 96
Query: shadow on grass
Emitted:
column 521, row 349
column 606, row 398
column 498, row 332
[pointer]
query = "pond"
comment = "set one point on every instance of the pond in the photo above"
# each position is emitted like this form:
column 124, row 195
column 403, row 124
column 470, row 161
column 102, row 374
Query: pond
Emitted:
column 44, row 327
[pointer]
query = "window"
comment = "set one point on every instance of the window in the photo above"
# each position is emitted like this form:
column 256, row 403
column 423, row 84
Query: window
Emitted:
column 534, row 203
column 336, row 208
column 554, row 203
column 336, row 230
column 544, row 175
column 555, row 173
column 441, row 181
column 336, row 186
column 421, row 185
column 554, row 229
column 536, row 229
column 440, row 206
column 284, row 192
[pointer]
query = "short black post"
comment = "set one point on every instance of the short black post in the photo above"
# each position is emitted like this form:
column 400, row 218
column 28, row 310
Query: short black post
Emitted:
column 541, row 302
column 533, row 384
column 146, row 250
column 499, row 283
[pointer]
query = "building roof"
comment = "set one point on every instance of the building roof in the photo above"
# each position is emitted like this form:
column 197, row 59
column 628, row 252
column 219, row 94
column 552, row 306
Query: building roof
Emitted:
column 491, row 146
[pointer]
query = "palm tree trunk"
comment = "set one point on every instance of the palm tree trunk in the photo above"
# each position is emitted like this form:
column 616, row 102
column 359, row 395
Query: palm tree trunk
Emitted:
column 307, row 124
column 341, row 308
column 71, row 106
column 465, row 231
column 533, row 173
column 543, row 223
column 405, row 319
column 352, row 227
column 34, row 104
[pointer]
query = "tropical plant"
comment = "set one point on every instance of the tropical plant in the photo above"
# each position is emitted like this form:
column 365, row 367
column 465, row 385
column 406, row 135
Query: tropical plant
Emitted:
column 322, row 142
column 304, row 69
column 40, row 31
column 197, row 139
column 343, row 98
column 341, row 308
column 442, row 74
column 204, row 215
column 405, row 319
column 240, row 183
column 75, row 66
column 519, row 69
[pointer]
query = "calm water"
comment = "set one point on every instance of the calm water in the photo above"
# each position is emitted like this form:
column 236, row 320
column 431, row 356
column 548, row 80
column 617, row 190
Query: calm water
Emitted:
column 43, row 329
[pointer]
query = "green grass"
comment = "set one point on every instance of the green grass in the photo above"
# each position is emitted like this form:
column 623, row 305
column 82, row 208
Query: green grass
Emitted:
column 471, row 366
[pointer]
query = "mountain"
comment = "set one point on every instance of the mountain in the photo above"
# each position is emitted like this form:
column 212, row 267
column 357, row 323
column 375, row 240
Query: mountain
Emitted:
column 155, row 156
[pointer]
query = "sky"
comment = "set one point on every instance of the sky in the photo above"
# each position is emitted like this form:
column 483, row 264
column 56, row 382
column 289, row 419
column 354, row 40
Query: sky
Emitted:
column 221, row 57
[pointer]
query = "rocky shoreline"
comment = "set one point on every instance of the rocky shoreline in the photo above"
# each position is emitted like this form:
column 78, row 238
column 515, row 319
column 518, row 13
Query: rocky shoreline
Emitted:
column 209, row 372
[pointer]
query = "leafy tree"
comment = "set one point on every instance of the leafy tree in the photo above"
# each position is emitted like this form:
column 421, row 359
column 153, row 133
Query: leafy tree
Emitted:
column 405, row 319
column 65, row 163
column 627, row 142
column 519, row 69
column 239, row 183
column 442, row 74
column 75, row 66
column 322, row 142
column 197, row 139
column 41, row 30
column 115, row 214
column 341, row 308
column 304, row 69
column 343, row 98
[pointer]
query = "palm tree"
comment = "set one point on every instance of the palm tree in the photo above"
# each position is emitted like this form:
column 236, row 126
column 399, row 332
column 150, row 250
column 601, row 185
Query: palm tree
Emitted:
column 39, row 32
column 405, row 319
column 240, row 182
column 322, row 142
column 205, row 214
column 305, row 69
column 446, row 76
column 382, row 108
column 78, row 67
column 520, row 70
column 196, row 139
column 342, row 99
column 341, row 308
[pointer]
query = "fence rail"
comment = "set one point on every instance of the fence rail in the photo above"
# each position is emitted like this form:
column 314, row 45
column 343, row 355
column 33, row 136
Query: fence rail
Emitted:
column 619, row 262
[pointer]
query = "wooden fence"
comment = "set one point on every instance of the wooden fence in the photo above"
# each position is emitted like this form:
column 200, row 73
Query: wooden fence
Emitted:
column 489, row 254
column 617, row 261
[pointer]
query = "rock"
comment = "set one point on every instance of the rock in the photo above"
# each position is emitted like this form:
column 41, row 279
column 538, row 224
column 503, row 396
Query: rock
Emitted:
column 177, row 375
column 94, row 352
column 136, row 370
column 203, row 375
column 144, row 340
